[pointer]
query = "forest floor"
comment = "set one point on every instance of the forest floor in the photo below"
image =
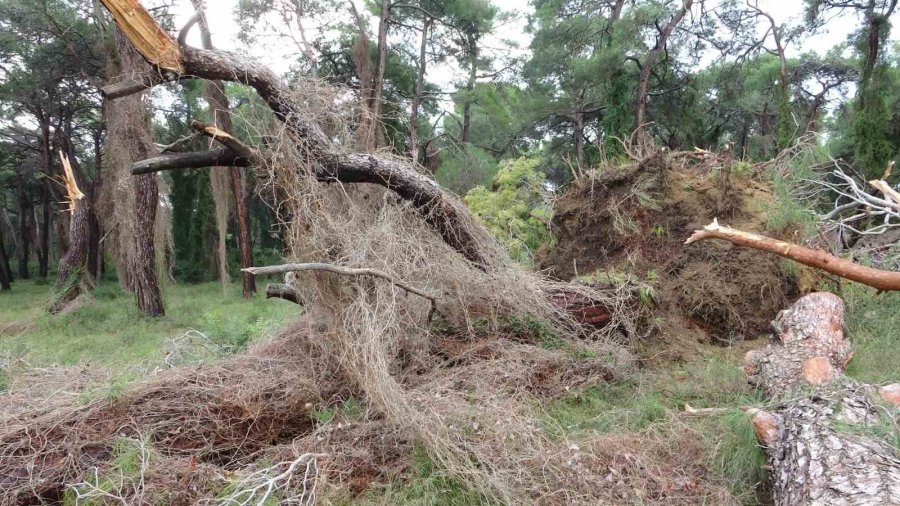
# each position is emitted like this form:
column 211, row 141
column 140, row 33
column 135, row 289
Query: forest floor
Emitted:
column 646, row 413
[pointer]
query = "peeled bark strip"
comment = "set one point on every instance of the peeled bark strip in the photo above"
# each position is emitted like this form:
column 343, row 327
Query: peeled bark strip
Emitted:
column 819, row 439
column 882, row 280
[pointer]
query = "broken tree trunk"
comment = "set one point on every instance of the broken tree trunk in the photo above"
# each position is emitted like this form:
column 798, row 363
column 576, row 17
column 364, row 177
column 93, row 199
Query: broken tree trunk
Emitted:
column 441, row 210
column 882, row 280
column 822, row 437
column 73, row 265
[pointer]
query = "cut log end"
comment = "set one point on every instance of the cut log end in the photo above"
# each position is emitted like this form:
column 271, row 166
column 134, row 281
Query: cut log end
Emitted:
column 817, row 371
column 766, row 425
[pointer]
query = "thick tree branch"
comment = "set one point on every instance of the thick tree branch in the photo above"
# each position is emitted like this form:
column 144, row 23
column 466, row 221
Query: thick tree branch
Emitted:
column 882, row 280
column 219, row 157
column 440, row 209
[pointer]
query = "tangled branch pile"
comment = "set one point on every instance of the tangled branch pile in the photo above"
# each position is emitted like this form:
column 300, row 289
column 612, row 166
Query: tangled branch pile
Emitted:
column 453, row 384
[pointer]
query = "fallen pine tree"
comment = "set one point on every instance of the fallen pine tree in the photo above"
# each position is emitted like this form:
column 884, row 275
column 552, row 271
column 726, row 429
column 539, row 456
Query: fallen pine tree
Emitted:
column 822, row 433
column 370, row 340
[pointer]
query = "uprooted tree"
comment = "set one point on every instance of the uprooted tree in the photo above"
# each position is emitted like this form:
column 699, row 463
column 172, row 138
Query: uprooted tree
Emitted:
column 362, row 336
column 822, row 432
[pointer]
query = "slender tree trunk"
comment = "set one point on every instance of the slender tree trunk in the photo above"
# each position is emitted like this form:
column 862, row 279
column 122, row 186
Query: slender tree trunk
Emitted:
column 95, row 251
column 363, row 64
column 46, row 217
column 5, row 271
column 221, row 115
column 377, row 98
column 470, row 89
column 650, row 62
column 578, row 132
column 414, row 147
column 24, row 231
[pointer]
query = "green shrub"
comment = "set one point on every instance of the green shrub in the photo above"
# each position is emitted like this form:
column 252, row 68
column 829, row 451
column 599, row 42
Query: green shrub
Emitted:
column 515, row 209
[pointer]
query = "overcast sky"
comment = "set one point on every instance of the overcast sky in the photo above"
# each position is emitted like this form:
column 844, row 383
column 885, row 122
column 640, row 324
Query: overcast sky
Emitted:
column 280, row 54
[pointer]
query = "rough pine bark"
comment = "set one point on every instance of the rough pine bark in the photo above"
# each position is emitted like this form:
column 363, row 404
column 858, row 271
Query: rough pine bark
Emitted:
column 821, row 437
column 73, row 265
column 142, row 264
column 129, row 141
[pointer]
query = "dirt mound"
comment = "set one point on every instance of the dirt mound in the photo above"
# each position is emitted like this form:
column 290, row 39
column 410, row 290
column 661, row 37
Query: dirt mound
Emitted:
column 633, row 220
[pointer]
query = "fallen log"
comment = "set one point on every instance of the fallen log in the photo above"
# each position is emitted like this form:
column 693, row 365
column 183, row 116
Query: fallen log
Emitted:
column 882, row 280
column 821, row 437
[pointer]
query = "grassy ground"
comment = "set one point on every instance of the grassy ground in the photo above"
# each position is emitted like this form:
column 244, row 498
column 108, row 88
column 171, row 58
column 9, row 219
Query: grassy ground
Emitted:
column 111, row 333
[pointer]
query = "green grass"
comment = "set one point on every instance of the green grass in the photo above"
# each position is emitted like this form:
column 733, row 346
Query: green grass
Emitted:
column 111, row 332
column 424, row 485
column 651, row 406
column 872, row 322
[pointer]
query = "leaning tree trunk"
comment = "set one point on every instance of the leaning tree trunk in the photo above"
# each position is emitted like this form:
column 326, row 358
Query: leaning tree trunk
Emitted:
column 72, row 274
column 640, row 102
column 821, row 436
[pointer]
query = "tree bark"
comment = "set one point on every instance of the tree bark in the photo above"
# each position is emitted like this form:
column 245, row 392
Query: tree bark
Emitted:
column 818, row 438
column 377, row 98
column 221, row 117
column 882, row 280
column 414, row 147
column 24, row 231
column 130, row 139
column 578, row 132
column 650, row 62
column 142, row 268
column 46, row 217
column 470, row 89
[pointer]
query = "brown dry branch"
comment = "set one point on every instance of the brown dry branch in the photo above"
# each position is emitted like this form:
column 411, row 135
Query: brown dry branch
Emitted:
column 819, row 440
column 882, row 280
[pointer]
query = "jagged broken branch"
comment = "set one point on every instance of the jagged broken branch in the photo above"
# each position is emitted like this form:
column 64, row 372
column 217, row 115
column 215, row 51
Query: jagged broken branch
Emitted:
column 882, row 280
column 440, row 209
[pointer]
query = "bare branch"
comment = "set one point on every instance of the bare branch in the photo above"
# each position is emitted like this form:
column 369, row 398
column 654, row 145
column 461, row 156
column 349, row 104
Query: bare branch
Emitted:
column 882, row 280
column 344, row 271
